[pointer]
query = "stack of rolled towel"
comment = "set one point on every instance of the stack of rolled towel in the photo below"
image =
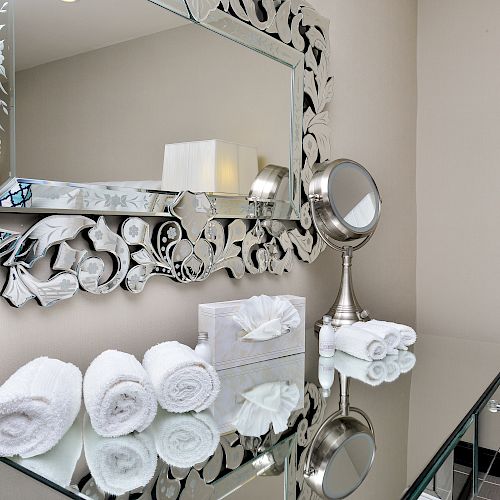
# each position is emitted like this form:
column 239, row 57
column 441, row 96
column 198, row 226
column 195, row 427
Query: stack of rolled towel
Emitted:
column 122, row 395
column 41, row 401
column 374, row 340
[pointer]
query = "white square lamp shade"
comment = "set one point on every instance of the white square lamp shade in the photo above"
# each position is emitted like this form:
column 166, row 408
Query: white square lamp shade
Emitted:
column 211, row 166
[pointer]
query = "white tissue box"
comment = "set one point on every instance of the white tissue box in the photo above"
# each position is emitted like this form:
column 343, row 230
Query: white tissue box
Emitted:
column 236, row 381
column 224, row 335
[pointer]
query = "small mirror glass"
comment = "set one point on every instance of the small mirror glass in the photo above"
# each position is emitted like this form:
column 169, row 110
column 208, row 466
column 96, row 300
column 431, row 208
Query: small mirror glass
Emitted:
column 127, row 95
column 349, row 466
column 353, row 195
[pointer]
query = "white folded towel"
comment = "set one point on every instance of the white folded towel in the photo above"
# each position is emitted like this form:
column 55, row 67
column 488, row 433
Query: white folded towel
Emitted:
column 266, row 404
column 408, row 334
column 181, row 379
column 118, row 394
column 369, row 372
column 360, row 343
column 185, row 439
column 393, row 370
column 120, row 464
column 390, row 335
column 406, row 360
column 38, row 405
column 58, row 464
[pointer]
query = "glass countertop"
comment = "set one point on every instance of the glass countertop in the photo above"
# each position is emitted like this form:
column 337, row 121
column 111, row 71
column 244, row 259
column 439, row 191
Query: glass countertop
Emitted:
column 414, row 410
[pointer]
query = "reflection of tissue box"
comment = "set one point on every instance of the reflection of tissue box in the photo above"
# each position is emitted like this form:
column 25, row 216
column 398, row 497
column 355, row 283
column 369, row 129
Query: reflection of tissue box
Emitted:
column 235, row 381
column 224, row 335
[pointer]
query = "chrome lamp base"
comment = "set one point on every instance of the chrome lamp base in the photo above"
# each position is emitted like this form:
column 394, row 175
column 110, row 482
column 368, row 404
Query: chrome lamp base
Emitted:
column 346, row 309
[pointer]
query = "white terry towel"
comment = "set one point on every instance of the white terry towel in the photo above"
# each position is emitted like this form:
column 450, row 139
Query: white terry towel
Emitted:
column 266, row 404
column 408, row 334
column 406, row 361
column 120, row 464
column 181, row 379
column 390, row 335
column 58, row 464
column 38, row 405
column 393, row 370
column 118, row 394
column 369, row 372
column 360, row 343
column 185, row 439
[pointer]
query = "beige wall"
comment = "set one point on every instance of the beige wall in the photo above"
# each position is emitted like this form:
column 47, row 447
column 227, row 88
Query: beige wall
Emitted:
column 458, row 178
column 458, row 182
column 373, row 122
column 107, row 114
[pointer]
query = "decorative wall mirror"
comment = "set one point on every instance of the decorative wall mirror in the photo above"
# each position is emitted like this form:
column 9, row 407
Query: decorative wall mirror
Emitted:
column 209, row 114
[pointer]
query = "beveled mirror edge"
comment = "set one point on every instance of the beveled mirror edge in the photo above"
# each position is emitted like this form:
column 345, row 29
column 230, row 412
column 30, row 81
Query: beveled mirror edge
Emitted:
column 189, row 244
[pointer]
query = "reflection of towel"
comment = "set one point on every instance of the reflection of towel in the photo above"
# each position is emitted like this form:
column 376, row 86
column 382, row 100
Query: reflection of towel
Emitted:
column 406, row 361
column 392, row 368
column 360, row 343
column 408, row 334
column 369, row 372
column 118, row 394
column 181, row 379
column 186, row 439
column 58, row 464
column 270, row 403
column 391, row 336
column 38, row 404
column 120, row 464
column 265, row 318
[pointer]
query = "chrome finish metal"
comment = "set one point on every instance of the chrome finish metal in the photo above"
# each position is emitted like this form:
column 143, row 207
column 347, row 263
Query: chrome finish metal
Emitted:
column 334, row 432
column 493, row 406
column 331, row 226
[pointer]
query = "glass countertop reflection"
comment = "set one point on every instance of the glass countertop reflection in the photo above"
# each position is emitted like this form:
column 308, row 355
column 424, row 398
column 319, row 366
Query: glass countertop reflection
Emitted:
column 415, row 400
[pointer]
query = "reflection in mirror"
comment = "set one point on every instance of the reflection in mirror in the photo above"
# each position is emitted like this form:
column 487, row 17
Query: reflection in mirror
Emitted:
column 129, row 94
column 119, row 464
column 353, row 195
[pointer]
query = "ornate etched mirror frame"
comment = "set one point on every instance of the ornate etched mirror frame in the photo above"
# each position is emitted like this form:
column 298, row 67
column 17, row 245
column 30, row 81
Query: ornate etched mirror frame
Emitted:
column 189, row 242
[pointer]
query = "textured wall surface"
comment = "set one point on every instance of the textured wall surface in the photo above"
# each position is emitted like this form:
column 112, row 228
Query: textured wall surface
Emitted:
column 373, row 122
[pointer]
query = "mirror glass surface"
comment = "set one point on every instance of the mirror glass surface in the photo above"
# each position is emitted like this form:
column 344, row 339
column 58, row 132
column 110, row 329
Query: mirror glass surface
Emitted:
column 354, row 195
column 126, row 93
column 348, row 466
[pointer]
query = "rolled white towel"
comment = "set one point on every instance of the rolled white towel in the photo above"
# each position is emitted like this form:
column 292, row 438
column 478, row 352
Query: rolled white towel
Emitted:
column 58, row 464
column 406, row 361
column 185, row 439
column 408, row 334
column 360, row 343
column 120, row 464
column 181, row 379
column 369, row 372
column 393, row 370
column 266, row 404
column 390, row 335
column 38, row 405
column 118, row 394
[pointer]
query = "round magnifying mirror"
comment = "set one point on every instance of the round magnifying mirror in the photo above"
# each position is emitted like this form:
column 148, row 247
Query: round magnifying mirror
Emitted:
column 341, row 458
column 347, row 200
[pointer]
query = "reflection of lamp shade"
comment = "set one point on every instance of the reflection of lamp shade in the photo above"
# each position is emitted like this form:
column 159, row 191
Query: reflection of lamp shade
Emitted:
column 212, row 166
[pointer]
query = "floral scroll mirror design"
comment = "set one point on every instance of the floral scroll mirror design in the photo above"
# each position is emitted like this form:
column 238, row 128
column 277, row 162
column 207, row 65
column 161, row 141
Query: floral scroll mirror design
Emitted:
column 126, row 101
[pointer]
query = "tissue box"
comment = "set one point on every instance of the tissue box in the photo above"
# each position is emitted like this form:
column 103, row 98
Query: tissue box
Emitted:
column 236, row 381
column 224, row 335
